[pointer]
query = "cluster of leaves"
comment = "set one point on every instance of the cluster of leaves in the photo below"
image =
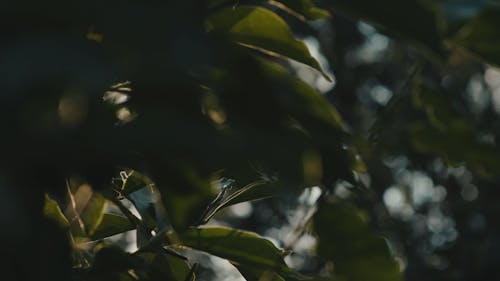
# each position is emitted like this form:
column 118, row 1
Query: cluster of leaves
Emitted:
column 211, row 105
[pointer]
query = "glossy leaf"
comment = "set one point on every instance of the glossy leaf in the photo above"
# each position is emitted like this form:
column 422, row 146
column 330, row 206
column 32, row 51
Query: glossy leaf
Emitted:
column 238, row 246
column 261, row 29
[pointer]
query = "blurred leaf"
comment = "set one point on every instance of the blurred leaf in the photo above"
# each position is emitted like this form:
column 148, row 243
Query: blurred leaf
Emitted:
column 111, row 224
column 52, row 211
column 257, row 274
column 261, row 29
column 456, row 145
column 414, row 20
column 238, row 246
column 345, row 237
column 163, row 266
column 304, row 8
column 93, row 213
column 481, row 36
column 185, row 196
column 111, row 263
column 301, row 100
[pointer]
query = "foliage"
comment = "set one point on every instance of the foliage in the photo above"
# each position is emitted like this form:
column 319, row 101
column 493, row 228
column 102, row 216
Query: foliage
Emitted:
column 151, row 118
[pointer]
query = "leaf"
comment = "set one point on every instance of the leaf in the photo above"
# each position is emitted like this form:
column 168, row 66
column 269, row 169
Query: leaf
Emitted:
column 345, row 238
column 52, row 211
column 163, row 266
column 256, row 274
column 304, row 8
column 413, row 20
column 319, row 118
column 144, row 201
column 133, row 181
column 93, row 213
column 111, row 263
column 233, row 195
column 111, row 224
column 238, row 246
column 481, row 36
column 302, row 100
column 261, row 29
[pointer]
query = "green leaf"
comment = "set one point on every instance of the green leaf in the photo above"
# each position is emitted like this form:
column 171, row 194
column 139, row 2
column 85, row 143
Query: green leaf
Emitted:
column 321, row 121
column 133, row 181
column 481, row 36
column 93, row 213
column 112, row 263
column 163, row 266
column 304, row 8
column 52, row 211
column 302, row 100
column 144, row 201
column 413, row 20
column 261, row 29
column 110, row 225
column 238, row 246
column 234, row 195
column 256, row 274
column 345, row 238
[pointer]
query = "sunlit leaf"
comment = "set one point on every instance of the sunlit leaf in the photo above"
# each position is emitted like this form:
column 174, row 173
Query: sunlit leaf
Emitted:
column 93, row 213
column 304, row 8
column 52, row 211
column 238, row 246
column 261, row 29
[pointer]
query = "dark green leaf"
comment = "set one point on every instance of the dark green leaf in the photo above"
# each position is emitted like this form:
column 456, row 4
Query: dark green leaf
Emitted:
column 481, row 36
column 242, row 247
column 345, row 238
column 163, row 266
column 261, row 29
column 111, row 224
column 416, row 21
column 302, row 100
column 256, row 274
